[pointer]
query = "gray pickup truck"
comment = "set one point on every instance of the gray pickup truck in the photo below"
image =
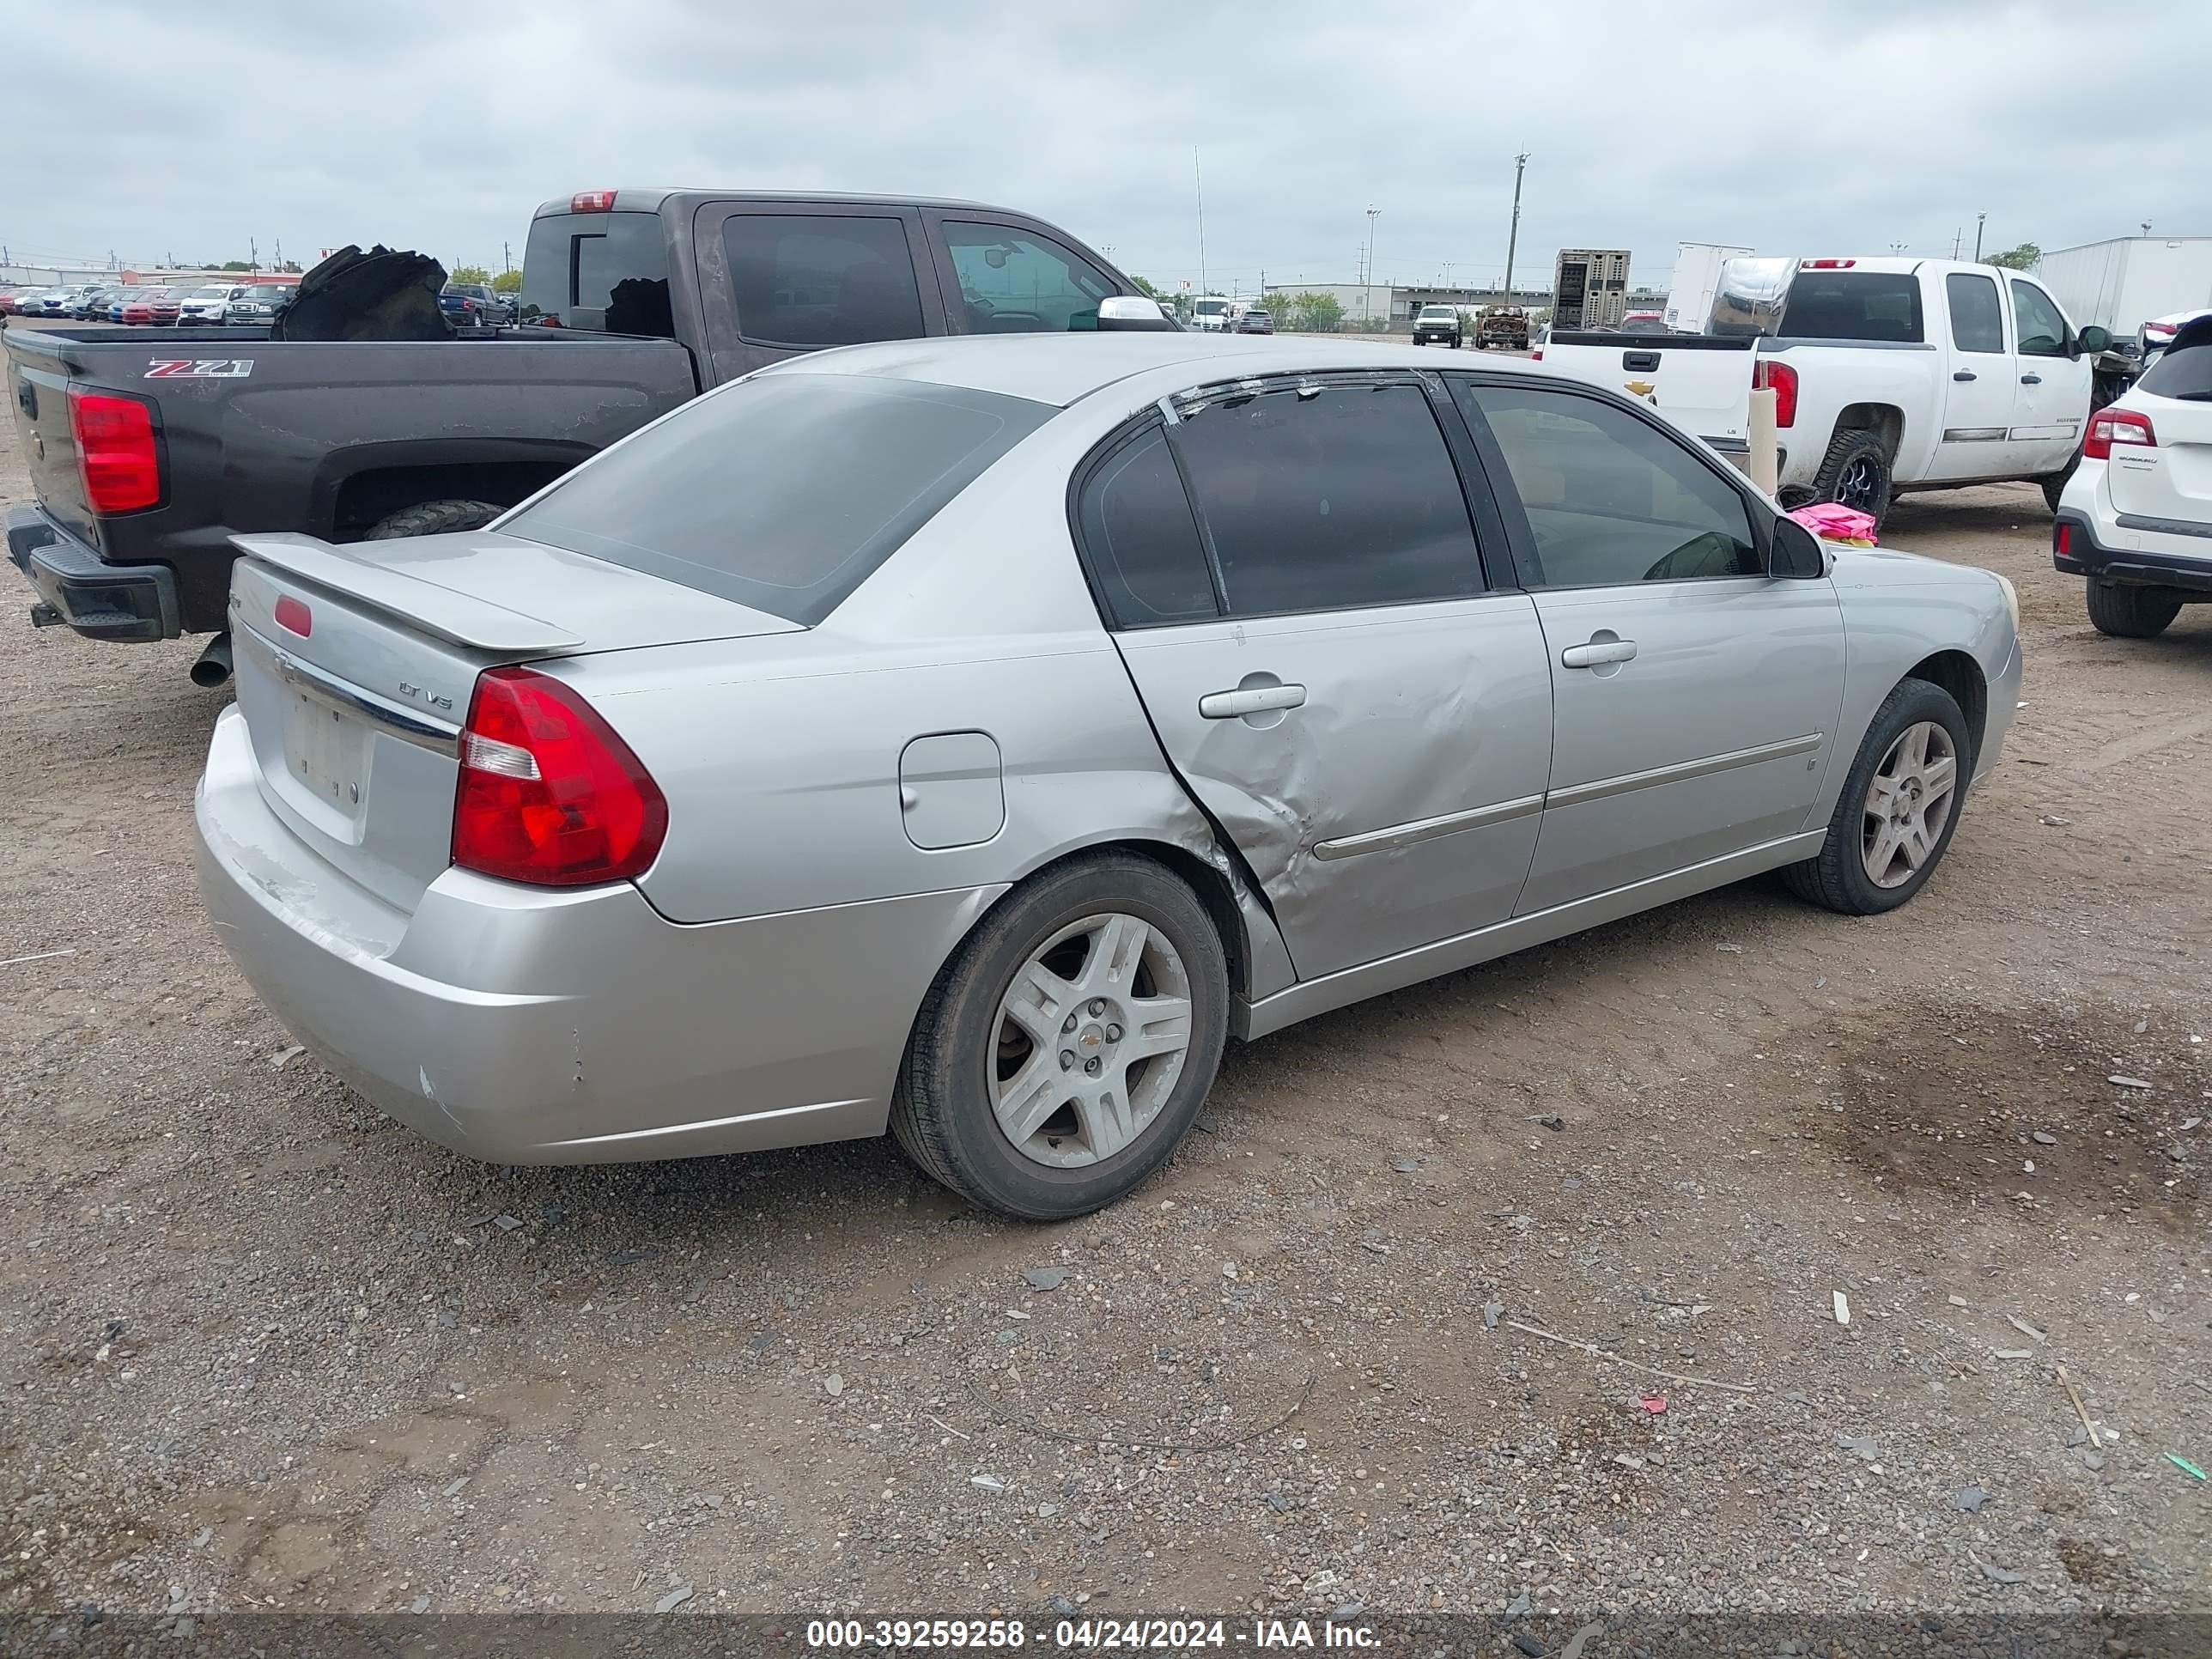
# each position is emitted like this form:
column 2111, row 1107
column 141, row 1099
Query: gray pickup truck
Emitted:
column 149, row 449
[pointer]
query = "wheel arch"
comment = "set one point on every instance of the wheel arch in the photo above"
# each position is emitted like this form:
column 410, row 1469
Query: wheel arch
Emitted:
column 1957, row 672
column 1885, row 421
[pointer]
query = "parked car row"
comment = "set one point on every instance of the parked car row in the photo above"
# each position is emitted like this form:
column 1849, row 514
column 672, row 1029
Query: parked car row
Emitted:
column 212, row 303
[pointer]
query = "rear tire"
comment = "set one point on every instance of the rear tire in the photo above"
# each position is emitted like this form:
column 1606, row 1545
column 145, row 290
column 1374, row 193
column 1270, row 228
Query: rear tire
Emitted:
column 2054, row 486
column 433, row 518
column 2131, row 613
column 1855, row 471
column 970, row 1056
column 1837, row 877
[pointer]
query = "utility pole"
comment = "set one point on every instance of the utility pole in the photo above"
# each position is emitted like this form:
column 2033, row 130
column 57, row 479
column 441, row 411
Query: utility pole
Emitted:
column 1513, row 234
column 1979, row 218
column 1958, row 237
column 1373, row 214
column 505, row 256
column 252, row 254
column 280, row 253
column 1197, row 183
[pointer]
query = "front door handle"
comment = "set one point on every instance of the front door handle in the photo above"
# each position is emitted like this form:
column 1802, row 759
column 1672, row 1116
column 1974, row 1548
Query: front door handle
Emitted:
column 1963, row 374
column 1597, row 651
column 1252, row 700
column 2031, row 379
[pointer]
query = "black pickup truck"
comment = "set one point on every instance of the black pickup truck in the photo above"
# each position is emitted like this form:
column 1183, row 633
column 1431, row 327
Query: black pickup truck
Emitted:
column 149, row 449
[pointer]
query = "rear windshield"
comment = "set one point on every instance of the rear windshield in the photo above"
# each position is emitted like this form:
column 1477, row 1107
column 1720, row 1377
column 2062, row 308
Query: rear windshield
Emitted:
column 756, row 494
column 1852, row 304
column 2186, row 374
column 597, row 270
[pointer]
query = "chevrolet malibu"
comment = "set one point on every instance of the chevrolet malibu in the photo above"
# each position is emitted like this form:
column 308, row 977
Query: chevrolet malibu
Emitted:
column 968, row 736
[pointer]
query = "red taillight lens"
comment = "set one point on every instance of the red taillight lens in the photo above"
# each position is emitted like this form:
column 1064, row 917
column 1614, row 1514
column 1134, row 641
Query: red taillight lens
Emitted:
column 2062, row 539
column 1537, row 355
column 548, row 793
column 115, row 451
column 293, row 614
column 591, row 201
column 2124, row 427
column 1826, row 264
column 1782, row 380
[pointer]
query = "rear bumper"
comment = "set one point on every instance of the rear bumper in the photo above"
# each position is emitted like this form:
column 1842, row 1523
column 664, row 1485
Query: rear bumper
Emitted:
column 131, row 603
column 526, row 1025
column 2085, row 555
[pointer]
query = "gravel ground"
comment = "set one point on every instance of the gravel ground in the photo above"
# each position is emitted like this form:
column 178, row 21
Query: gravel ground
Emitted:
column 259, row 1347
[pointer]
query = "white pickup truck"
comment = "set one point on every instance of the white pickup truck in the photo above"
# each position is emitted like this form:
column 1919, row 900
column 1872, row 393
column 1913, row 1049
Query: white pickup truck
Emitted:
column 1889, row 374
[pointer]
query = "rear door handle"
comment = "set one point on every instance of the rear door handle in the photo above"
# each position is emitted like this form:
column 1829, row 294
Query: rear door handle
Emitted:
column 2031, row 379
column 1590, row 655
column 1963, row 374
column 1257, row 700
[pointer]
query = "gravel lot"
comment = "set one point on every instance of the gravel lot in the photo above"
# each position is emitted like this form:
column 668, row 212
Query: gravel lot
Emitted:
column 259, row 1347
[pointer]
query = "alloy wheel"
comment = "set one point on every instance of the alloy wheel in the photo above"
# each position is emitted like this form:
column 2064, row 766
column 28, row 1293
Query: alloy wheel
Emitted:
column 1908, row 803
column 1091, row 1038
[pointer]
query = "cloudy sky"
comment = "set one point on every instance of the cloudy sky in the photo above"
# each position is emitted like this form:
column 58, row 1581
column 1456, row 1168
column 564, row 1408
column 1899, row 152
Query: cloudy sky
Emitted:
column 1794, row 126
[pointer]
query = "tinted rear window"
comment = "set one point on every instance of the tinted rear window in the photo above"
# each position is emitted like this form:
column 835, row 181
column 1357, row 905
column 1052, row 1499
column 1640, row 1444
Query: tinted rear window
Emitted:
column 783, row 493
column 1853, row 305
column 2186, row 374
column 599, row 271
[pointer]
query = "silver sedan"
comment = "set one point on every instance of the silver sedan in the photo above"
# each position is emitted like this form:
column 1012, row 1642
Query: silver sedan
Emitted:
column 970, row 737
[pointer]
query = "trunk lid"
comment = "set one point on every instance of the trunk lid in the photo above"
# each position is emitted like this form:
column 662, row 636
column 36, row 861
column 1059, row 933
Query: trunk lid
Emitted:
column 2172, row 482
column 354, row 667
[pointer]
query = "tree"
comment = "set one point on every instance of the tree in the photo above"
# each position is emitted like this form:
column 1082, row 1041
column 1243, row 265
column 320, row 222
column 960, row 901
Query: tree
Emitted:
column 236, row 265
column 2023, row 258
column 469, row 274
column 1145, row 288
column 507, row 282
column 1319, row 314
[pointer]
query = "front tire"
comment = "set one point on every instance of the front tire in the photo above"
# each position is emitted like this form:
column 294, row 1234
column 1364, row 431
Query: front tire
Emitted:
column 1898, row 808
column 1856, row 472
column 2131, row 613
column 1066, row 1048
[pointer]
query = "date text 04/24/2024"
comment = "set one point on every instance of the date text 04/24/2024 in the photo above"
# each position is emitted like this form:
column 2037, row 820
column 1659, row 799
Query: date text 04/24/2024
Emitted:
column 1162, row 1634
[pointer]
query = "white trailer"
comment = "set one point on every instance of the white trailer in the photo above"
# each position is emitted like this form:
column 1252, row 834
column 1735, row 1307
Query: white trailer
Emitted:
column 1697, row 279
column 2121, row 284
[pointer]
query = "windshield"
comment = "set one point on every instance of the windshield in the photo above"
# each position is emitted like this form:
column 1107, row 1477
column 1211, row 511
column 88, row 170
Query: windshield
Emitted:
column 2186, row 374
column 750, row 493
column 209, row 292
column 1440, row 313
column 1209, row 307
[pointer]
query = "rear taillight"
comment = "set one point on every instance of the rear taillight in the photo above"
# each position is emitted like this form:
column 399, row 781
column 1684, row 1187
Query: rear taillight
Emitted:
column 2124, row 427
column 548, row 793
column 1826, row 264
column 116, row 455
column 1782, row 380
column 591, row 201
column 1537, row 355
column 2062, row 539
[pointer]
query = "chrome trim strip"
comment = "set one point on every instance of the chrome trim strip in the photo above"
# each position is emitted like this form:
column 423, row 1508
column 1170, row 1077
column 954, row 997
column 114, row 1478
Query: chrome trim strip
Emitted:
column 318, row 684
column 1421, row 829
column 2163, row 527
column 1606, row 789
column 1974, row 435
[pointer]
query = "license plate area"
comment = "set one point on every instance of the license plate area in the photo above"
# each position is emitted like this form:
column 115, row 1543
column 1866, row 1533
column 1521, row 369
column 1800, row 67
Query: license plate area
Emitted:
column 326, row 751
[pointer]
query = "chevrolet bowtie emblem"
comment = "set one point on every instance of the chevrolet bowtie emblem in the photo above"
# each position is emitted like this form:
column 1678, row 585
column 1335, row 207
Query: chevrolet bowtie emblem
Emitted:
column 1641, row 388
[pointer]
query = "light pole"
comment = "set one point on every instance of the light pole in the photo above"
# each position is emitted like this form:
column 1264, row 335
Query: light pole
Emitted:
column 1513, row 234
column 1978, row 219
column 1368, row 303
column 1897, row 247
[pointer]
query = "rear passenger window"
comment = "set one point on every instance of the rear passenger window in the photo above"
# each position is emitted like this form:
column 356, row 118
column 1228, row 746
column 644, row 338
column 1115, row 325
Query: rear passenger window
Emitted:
column 802, row 280
column 1853, row 305
column 1140, row 539
column 1977, row 319
column 1328, row 498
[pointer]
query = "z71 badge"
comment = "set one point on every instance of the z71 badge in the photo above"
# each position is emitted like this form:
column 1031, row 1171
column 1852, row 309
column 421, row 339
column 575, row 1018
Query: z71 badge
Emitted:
column 202, row 369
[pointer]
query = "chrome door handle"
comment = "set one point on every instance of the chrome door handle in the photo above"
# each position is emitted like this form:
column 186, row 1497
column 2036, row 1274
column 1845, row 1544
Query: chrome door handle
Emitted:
column 1258, row 700
column 1963, row 374
column 2031, row 379
column 1590, row 655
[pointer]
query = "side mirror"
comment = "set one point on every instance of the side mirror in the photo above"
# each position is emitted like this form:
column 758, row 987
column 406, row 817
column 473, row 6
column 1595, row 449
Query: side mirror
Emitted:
column 2093, row 338
column 1132, row 313
column 1795, row 552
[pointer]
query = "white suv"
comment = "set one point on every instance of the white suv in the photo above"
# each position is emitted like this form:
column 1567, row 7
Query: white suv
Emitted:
column 2136, row 518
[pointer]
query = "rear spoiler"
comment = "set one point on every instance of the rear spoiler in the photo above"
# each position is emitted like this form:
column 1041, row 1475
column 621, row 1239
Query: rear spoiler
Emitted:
column 462, row 618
